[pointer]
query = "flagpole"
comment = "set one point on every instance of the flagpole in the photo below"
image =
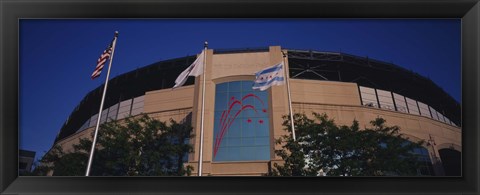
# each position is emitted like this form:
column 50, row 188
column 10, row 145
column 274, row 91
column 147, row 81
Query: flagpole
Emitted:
column 287, row 77
column 101, row 107
column 200, row 157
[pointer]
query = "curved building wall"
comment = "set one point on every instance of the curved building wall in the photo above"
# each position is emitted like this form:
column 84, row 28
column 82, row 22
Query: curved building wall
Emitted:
column 159, row 104
column 327, row 98
column 372, row 73
column 313, row 88
column 342, row 100
column 123, row 88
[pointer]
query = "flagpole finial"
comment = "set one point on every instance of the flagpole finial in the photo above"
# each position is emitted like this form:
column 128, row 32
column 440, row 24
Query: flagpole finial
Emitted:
column 206, row 44
column 116, row 33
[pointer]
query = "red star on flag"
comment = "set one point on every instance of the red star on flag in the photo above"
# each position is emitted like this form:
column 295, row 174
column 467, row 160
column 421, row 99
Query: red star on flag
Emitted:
column 260, row 121
column 249, row 120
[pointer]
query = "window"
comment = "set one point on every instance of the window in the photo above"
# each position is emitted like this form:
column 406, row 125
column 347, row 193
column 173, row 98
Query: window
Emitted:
column 448, row 121
column 400, row 103
column 137, row 106
column 425, row 164
column 451, row 161
column 434, row 113
column 369, row 98
column 385, row 99
column 424, row 111
column 104, row 116
column 84, row 126
column 241, row 129
column 112, row 112
column 412, row 106
column 124, row 109
column 93, row 120
column 441, row 117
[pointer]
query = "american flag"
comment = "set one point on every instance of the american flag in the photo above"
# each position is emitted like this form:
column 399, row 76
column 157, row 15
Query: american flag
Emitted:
column 101, row 61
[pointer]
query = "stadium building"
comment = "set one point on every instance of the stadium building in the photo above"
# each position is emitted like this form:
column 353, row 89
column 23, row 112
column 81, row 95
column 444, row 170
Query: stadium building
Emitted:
column 241, row 142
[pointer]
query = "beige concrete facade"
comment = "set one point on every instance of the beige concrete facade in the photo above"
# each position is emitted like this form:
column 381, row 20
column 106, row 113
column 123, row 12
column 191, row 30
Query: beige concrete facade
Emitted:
column 161, row 104
column 340, row 100
column 341, row 109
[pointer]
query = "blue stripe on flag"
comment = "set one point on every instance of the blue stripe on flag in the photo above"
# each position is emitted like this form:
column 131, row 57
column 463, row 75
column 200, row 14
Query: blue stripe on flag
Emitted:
column 268, row 82
column 272, row 69
column 262, row 81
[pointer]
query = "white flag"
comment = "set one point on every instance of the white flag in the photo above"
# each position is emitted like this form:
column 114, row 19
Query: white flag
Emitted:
column 195, row 69
column 273, row 75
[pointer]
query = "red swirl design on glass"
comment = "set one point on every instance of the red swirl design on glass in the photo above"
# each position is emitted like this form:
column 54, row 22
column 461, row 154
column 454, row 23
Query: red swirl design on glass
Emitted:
column 226, row 120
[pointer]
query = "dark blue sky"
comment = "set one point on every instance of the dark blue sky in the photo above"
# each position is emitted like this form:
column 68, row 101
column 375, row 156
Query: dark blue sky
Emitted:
column 57, row 57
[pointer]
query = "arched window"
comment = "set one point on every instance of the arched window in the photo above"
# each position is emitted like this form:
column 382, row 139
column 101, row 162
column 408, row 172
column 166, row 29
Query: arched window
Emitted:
column 241, row 129
column 452, row 161
column 425, row 166
column 425, row 163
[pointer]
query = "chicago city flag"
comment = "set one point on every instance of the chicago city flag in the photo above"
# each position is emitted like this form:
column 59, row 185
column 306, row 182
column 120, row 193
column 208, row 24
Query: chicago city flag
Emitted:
column 195, row 69
column 273, row 75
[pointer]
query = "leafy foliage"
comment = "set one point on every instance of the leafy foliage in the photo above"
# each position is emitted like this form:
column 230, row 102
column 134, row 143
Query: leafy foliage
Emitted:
column 322, row 146
column 137, row 146
column 64, row 164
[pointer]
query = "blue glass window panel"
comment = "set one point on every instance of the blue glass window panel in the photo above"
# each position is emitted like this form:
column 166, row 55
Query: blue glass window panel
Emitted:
column 222, row 87
column 215, row 140
column 249, row 113
column 234, row 141
column 218, row 137
column 248, row 126
column 221, row 154
column 236, row 114
column 248, row 100
column 248, row 132
column 218, row 115
column 216, row 130
column 242, row 133
column 249, row 152
column 235, row 86
column 218, row 127
column 234, row 95
column 262, row 153
column 262, row 112
column 234, row 153
column 247, row 86
column 221, row 101
column 263, row 97
column 223, row 141
column 234, row 130
column 227, row 117
column 244, row 155
column 262, row 129
column 262, row 141
column 248, row 141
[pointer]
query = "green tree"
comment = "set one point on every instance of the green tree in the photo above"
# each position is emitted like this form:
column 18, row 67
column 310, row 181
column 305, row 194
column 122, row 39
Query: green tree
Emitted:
column 137, row 146
column 322, row 146
column 63, row 164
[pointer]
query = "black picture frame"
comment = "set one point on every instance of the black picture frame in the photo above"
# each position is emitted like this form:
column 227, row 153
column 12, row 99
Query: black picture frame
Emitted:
column 12, row 11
